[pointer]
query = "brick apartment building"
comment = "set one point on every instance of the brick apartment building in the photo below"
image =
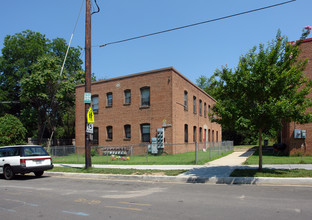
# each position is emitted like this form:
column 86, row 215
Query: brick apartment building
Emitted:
column 300, row 144
column 129, row 109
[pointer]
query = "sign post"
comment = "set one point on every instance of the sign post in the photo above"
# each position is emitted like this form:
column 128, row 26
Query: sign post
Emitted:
column 88, row 80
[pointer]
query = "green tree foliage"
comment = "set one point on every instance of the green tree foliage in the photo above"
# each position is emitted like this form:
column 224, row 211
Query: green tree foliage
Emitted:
column 12, row 131
column 30, row 68
column 20, row 51
column 266, row 88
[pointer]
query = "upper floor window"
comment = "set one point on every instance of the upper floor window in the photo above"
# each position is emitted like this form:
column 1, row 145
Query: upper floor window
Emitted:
column 127, row 131
column 145, row 96
column 109, row 130
column 209, row 109
column 109, row 97
column 145, row 132
column 194, row 104
column 205, row 109
column 185, row 100
column 127, row 96
column 95, row 103
column 200, row 107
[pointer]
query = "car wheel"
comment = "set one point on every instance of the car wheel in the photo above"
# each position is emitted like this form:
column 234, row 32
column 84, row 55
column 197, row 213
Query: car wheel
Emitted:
column 39, row 173
column 8, row 173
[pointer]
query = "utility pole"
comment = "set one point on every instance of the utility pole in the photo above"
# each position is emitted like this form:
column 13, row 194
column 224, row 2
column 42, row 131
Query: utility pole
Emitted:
column 87, row 80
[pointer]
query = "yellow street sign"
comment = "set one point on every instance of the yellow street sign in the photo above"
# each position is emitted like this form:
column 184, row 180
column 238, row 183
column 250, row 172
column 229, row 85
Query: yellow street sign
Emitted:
column 90, row 116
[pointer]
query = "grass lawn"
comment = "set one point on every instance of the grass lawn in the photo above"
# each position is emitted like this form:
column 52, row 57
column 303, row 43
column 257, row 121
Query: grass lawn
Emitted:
column 271, row 173
column 119, row 171
column 177, row 159
column 271, row 158
column 243, row 147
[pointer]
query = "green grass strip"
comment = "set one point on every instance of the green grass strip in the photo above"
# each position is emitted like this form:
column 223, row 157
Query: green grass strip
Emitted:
column 118, row 171
column 177, row 159
column 271, row 157
column 271, row 173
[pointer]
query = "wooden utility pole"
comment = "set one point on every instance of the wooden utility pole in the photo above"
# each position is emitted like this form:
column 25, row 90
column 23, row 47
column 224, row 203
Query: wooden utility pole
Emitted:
column 88, row 80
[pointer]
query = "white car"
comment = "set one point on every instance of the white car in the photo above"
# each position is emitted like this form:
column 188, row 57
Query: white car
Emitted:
column 24, row 159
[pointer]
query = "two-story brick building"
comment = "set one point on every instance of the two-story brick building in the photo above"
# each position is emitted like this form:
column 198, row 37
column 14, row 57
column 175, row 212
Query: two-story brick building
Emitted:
column 300, row 144
column 129, row 109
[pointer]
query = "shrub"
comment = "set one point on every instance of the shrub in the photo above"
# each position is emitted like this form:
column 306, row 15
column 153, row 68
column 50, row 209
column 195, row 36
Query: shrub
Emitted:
column 12, row 131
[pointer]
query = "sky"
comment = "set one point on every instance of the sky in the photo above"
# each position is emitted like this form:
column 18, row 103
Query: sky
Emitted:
column 194, row 51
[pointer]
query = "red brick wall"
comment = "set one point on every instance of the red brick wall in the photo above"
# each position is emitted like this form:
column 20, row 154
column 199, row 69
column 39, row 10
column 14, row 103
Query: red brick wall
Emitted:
column 297, row 145
column 182, row 116
column 166, row 89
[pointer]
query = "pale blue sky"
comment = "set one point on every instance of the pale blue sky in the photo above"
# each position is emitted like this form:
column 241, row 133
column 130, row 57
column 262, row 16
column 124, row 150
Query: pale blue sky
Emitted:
column 194, row 51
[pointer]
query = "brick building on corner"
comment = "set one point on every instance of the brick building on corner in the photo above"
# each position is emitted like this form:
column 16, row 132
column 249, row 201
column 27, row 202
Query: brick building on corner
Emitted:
column 299, row 144
column 129, row 109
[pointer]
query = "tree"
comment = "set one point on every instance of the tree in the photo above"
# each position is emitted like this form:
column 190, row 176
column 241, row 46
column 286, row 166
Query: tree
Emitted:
column 20, row 51
column 12, row 131
column 30, row 66
column 267, row 87
column 48, row 92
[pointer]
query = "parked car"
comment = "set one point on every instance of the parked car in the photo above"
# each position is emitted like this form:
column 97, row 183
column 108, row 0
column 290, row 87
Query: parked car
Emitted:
column 24, row 159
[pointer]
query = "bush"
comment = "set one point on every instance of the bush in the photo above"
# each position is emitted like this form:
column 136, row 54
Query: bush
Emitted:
column 12, row 131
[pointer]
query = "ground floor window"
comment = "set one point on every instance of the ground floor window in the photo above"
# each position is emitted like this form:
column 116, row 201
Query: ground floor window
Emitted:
column 127, row 131
column 95, row 136
column 185, row 133
column 145, row 132
column 109, row 130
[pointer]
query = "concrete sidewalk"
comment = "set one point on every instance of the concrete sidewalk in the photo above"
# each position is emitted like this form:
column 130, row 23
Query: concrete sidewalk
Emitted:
column 217, row 171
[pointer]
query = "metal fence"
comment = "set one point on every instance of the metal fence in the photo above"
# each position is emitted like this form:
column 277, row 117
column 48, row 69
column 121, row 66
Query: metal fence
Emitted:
column 194, row 152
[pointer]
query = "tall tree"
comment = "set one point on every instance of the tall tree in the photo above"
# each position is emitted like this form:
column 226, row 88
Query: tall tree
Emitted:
column 19, row 52
column 28, row 55
column 267, row 87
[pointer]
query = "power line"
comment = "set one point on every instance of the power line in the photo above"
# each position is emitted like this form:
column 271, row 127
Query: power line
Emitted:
column 71, row 37
column 195, row 24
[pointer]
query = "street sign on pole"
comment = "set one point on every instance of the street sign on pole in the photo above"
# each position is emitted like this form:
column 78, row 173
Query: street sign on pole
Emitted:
column 90, row 116
column 89, row 128
column 87, row 97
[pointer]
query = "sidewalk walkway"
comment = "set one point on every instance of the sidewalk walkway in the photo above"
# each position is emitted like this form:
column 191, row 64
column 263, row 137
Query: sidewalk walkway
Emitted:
column 217, row 171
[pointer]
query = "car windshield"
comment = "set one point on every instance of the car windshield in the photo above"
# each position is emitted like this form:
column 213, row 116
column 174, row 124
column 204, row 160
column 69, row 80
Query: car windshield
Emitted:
column 34, row 151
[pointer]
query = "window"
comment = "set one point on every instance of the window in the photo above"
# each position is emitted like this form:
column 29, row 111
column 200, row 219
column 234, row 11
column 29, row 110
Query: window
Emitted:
column 194, row 104
column 109, row 130
column 217, row 138
column 212, row 135
column 145, row 132
column 145, row 96
column 209, row 109
column 200, row 107
column 95, row 136
column 127, row 131
column 127, row 96
column 200, row 135
column 185, row 133
column 205, row 109
column 194, row 134
column 95, row 103
column 209, row 139
column 185, row 101
column 109, row 99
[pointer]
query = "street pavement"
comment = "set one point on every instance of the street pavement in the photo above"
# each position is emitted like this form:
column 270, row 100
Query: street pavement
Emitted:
column 217, row 171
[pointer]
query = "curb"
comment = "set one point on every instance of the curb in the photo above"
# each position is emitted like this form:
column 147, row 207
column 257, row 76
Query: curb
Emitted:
column 192, row 179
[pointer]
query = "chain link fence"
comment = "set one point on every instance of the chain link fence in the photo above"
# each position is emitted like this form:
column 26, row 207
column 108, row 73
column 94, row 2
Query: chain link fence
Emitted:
column 184, row 153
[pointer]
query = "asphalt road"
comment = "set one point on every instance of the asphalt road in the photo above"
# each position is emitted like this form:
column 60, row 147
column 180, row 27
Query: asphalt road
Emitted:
column 72, row 198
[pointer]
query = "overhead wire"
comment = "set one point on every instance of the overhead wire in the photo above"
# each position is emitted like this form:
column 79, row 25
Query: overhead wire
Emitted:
column 194, row 24
column 71, row 37
column 98, row 8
